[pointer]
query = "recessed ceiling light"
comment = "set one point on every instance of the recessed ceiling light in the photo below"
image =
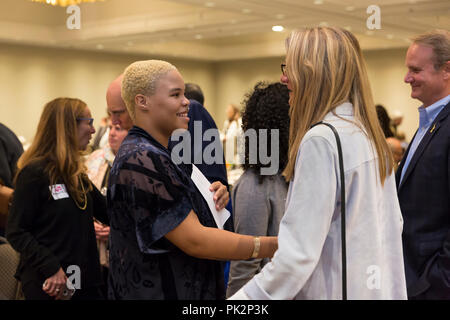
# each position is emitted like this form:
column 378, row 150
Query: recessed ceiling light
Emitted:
column 277, row 28
column 318, row 1
column 100, row 47
column 198, row 36
column 245, row 10
column 350, row 8
column 210, row 4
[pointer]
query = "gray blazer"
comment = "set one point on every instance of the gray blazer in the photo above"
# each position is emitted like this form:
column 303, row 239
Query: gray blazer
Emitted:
column 257, row 210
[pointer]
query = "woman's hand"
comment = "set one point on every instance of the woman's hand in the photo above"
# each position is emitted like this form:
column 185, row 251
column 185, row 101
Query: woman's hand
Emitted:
column 221, row 195
column 56, row 284
column 101, row 231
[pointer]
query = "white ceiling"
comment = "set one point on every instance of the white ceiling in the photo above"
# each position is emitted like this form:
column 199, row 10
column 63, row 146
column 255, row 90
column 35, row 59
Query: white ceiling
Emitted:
column 213, row 30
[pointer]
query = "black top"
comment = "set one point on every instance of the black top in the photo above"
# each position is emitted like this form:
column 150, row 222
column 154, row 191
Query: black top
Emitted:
column 10, row 151
column 50, row 233
column 148, row 196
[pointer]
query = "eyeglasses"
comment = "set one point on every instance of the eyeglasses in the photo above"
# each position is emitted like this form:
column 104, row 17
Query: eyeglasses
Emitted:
column 91, row 120
column 283, row 69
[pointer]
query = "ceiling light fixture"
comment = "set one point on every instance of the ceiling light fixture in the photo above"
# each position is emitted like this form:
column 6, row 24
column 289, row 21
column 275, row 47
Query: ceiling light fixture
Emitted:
column 64, row 3
column 318, row 2
column 277, row 28
column 246, row 11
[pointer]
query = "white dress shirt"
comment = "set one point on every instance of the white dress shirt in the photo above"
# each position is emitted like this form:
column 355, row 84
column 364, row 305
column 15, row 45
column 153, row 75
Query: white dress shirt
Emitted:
column 307, row 264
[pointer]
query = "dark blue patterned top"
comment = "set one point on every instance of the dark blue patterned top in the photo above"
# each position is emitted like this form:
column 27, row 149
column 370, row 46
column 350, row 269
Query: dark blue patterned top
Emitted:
column 148, row 196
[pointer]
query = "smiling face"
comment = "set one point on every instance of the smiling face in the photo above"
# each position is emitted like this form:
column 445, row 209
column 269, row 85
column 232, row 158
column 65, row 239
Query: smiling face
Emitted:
column 169, row 106
column 427, row 84
column 85, row 130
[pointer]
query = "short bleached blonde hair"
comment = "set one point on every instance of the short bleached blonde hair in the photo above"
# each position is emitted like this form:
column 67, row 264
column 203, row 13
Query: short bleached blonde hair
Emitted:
column 141, row 77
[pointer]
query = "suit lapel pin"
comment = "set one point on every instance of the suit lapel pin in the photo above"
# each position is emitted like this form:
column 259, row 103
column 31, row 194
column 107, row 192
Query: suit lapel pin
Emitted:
column 432, row 129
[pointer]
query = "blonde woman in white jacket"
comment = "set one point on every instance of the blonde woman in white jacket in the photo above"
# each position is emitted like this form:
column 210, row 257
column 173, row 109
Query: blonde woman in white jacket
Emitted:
column 326, row 76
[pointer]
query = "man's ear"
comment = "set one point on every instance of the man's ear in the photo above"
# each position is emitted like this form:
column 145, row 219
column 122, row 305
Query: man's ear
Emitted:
column 447, row 70
column 141, row 102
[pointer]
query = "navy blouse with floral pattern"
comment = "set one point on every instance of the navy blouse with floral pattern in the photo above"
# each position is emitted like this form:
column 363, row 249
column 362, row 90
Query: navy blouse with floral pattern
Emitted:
column 148, row 196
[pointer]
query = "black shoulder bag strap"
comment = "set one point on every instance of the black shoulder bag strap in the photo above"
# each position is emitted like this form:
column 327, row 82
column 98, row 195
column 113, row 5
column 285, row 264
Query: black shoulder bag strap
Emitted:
column 341, row 171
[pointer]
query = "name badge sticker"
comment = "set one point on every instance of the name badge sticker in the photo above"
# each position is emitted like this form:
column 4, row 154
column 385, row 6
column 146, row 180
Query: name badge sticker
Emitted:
column 58, row 191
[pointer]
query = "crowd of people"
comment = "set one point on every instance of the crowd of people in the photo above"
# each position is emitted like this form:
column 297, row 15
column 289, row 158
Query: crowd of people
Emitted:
column 352, row 212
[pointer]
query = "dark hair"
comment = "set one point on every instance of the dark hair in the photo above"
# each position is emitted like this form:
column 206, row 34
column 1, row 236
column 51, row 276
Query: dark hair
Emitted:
column 267, row 107
column 385, row 121
column 193, row 91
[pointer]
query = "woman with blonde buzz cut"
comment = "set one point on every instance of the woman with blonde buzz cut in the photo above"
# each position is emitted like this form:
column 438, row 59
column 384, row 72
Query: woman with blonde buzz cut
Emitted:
column 164, row 241
column 328, row 83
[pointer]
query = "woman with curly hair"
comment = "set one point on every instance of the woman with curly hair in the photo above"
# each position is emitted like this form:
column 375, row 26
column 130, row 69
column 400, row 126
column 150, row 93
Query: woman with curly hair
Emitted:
column 51, row 219
column 258, row 199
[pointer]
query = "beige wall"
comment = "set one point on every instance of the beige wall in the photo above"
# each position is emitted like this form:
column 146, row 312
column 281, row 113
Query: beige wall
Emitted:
column 32, row 76
column 237, row 78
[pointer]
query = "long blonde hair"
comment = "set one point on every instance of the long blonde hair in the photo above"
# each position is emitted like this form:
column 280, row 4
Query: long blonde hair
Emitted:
column 325, row 68
column 56, row 145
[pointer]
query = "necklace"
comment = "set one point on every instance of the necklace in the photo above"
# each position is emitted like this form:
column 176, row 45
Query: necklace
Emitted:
column 84, row 194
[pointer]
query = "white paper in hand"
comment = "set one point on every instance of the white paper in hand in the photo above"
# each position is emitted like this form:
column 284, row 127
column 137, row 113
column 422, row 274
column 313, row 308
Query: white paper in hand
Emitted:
column 203, row 186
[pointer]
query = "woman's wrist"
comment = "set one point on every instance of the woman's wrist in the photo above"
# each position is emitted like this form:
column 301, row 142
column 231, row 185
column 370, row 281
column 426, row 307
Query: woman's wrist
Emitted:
column 256, row 247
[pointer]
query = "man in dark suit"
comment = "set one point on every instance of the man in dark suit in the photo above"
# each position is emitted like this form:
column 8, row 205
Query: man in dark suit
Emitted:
column 423, row 177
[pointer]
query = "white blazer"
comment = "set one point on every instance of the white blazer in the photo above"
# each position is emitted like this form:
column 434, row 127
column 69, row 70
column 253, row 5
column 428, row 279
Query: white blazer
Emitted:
column 307, row 264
